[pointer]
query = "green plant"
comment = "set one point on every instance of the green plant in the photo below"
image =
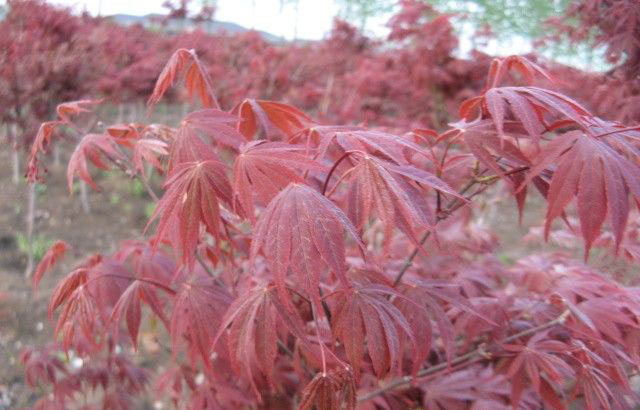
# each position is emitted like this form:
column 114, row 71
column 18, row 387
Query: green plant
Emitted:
column 39, row 245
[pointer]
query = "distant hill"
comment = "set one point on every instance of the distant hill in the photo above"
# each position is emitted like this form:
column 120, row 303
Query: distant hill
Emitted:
column 177, row 25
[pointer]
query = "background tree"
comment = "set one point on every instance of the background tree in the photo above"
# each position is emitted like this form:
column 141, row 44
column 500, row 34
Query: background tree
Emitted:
column 360, row 11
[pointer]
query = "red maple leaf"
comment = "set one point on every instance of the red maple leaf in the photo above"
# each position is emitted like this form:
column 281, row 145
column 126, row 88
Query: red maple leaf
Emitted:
column 198, row 308
column 539, row 355
column 303, row 231
column 262, row 169
column 366, row 312
column 218, row 125
column 254, row 320
column 330, row 391
column 147, row 150
column 196, row 78
column 593, row 170
column 391, row 192
column 92, row 147
column 65, row 110
column 272, row 117
column 195, row 191
column 48, row 261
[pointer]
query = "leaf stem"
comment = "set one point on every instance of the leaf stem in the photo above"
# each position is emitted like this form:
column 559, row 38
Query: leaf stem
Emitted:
column 333, row 168
column 134, row 278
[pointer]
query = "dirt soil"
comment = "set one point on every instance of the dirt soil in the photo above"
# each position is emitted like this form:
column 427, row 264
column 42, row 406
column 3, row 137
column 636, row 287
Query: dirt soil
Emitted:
column 118, row 212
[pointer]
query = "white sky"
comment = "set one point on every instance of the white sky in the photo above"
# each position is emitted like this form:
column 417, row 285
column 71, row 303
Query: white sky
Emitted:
column 313, row 20
column 315, row 17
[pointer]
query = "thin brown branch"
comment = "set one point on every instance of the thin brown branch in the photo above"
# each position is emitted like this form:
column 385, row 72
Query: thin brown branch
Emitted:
column 468, row 358
column 451, row 207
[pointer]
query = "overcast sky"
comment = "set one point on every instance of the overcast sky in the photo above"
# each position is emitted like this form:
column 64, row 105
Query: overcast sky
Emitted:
column 314, row 19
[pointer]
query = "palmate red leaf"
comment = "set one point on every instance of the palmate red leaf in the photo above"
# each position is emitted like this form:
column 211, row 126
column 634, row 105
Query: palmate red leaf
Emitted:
column 482, row 142
column 92, row 147
column 67, row 285
column 314, row 135
column 595, row 172
column 365, row 313
column 594, row 385
column 262, row 169
column 87, row 295
column 78, row 315
column 499, row 100
column 67, row 109
column 152, row 271
column 42, row 365
column 387, row 146
column 40, row 142
column 196, row 78
column 195, row 191
column 172, row 381
column 424, row 300
column 273, row 118
column 187, row 146
column 606, row 317
column 535, row 108
column 147, row 150
column 108, row 279
column 197, row 311
column 50, row 258
column 218, row 125
column 390, row 191
column 129, row 306
column 254, row 319
column 500, row 67
column 124, row 132
column 451, row 391
column 43, row 137
column 539, row 356
column 146, row 261
column 303, row 231
column 335, row 390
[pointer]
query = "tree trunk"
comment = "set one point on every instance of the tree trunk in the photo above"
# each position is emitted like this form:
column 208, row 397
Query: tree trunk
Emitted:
column 185, row 109
column 133, row 112
column 15, row 155
column 30, row 219
column 84, row 197
column 15, row 159
column 56, row 156
column 120, row 117
column 326, row 98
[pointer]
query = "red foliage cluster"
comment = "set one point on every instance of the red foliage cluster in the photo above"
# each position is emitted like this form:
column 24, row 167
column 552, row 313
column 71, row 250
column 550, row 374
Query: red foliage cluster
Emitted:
column 280, row 263
column 615, row 26
column 412, row 80
column 407, row 81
